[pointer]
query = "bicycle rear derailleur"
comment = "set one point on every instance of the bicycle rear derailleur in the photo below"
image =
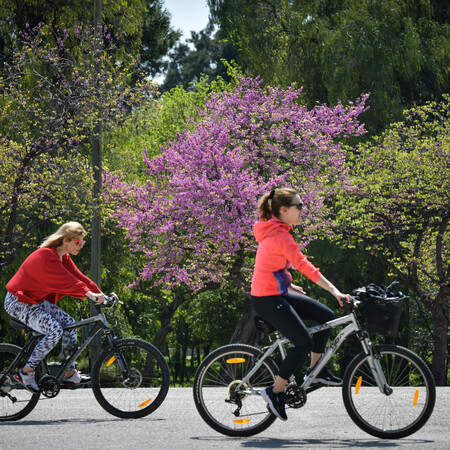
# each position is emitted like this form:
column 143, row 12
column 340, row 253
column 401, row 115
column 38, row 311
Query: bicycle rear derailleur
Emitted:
column 294, row 396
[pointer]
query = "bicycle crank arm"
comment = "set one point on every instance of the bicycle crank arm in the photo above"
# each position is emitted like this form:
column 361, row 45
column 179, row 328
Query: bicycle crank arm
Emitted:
column 6, row 394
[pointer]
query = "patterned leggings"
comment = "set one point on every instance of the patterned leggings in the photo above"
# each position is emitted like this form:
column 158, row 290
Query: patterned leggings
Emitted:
column 46, row 318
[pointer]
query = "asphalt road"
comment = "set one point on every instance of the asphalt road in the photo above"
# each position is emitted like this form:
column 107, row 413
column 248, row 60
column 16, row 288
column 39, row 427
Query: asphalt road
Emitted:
column 74, row 420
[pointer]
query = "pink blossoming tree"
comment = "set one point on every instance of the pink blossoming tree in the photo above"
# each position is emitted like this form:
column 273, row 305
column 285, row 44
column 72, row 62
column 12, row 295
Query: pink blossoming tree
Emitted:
column 192, row 221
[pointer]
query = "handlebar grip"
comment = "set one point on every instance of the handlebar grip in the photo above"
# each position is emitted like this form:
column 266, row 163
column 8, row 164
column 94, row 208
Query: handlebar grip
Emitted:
column 109, row 300
column 348, row 306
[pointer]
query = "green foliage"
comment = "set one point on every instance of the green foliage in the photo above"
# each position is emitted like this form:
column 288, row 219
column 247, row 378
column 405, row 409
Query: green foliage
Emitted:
column 205, row 322
column 142, row 26
column 398, row 51
column 402, row 192
column 53, row 98
column 201, row 56
column 214, row 314
column 399, row 210
column 153, row 126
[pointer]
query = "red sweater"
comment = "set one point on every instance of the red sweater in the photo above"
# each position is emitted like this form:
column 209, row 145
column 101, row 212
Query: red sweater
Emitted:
column 277, row 252
column 43, row 276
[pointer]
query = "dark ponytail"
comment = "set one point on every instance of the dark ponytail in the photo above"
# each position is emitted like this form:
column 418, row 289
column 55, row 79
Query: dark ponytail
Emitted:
column 270, row 203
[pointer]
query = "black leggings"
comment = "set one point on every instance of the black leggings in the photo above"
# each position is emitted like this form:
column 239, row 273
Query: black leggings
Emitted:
column 284, row 312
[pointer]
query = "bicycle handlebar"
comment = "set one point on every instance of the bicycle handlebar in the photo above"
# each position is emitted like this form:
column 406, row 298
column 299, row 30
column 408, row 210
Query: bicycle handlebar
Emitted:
column 110, row 301
column 356, row 301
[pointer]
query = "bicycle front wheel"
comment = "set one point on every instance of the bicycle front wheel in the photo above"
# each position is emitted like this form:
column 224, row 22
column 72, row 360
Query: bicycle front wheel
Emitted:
column 394, row 415
column 133, row 382
column 16, row 401
column 225, row 403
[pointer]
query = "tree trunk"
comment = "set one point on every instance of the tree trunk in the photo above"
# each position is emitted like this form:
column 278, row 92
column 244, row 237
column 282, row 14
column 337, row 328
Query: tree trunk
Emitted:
column 184, row 348
column 245, row 327
column 169, row 310
column 166, row 328
column 440, row 311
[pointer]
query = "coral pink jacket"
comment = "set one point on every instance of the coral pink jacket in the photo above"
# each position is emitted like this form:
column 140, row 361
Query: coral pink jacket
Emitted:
column 277, row 252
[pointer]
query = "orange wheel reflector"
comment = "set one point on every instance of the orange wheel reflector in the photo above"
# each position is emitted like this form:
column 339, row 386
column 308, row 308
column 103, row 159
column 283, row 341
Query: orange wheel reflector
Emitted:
column 242, row 420
column 235, row 360
column 358, row 385
column 110, row 361
column 416, row 397
column 145, row 403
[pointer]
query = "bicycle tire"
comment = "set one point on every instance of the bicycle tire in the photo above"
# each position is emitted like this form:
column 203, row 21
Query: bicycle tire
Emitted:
column 16, row 401
column 397, row 415
column 146, row 386
column 214, row 381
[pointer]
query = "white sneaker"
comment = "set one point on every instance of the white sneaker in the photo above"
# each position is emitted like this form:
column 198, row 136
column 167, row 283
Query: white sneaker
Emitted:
column 28, row 380
column 77, row 378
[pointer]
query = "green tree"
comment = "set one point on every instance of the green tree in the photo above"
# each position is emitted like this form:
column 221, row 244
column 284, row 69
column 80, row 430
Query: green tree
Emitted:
column 400, row 209
column 398, row 51
column 202, row 55
column 51, row 101
column 142, row 26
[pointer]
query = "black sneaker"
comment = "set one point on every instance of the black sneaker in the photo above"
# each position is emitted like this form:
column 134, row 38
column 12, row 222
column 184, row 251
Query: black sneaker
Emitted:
column 275, row 402
column 325, row 377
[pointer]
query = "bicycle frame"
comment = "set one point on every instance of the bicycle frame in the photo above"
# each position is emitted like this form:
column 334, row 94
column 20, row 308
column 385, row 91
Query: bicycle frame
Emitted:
column 352, row 327
column 99, row 323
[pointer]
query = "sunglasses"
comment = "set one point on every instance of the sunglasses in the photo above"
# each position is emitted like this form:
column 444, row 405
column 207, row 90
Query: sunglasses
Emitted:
column 299, row 205
column 79, row 242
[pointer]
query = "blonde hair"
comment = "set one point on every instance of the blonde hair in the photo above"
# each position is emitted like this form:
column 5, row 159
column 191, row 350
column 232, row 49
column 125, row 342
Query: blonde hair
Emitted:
column 269, row 204
column 69, row 230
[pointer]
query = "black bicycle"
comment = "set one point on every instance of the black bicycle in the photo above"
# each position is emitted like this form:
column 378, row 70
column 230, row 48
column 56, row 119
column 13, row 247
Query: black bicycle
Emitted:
column 388, row 391
column 130, row 377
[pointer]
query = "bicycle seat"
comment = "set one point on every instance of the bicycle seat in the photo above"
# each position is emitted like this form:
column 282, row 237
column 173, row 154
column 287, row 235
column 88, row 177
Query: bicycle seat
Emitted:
column 264, row 326
column 18, row 325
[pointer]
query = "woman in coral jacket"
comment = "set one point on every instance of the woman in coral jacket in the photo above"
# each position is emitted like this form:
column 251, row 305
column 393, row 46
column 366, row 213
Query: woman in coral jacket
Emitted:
column 281, row 303
column 47, row 275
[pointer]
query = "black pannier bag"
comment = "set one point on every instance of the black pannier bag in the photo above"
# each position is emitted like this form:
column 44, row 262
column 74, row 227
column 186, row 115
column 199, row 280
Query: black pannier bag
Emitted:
column 380, row 309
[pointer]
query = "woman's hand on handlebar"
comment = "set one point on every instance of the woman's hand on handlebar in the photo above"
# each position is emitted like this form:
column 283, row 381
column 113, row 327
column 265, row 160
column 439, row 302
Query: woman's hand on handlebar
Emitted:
column 333, row 290
column 97, row 298
column 341, row 298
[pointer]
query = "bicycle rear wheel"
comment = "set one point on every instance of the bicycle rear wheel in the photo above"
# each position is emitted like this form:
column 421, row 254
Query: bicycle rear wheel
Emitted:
column 224, row 407
column 140, row 388
column 396, row 415
column 16, row 401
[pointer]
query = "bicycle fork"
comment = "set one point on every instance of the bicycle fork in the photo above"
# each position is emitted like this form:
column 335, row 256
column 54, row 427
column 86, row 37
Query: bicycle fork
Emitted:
column 373, row 359
column 127, row 378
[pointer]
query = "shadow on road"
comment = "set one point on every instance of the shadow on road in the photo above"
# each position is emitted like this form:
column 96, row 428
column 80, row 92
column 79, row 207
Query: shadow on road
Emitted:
column 319, row 443
column 34, row 423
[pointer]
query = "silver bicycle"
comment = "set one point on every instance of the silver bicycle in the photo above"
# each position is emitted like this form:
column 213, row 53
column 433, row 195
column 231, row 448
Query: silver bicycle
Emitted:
column 388, row 391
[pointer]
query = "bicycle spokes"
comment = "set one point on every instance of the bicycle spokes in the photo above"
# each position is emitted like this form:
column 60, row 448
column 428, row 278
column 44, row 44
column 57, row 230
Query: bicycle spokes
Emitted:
column 406, row 403
column 132, row 380
column 226, row 390
column 16, row 401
